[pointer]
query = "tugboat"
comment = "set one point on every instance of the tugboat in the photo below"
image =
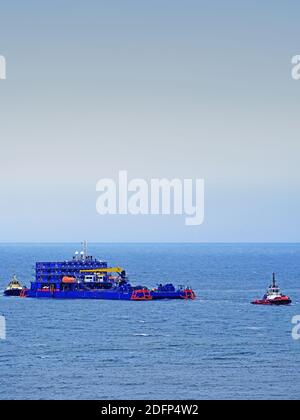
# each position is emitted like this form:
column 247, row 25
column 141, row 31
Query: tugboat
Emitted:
column 273, row 296
column 14, row 288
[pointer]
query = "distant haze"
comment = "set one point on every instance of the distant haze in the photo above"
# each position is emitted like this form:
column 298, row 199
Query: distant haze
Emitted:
column 193, row 89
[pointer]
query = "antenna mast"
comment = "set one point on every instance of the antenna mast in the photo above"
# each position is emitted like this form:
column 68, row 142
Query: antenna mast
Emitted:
column 85, row 248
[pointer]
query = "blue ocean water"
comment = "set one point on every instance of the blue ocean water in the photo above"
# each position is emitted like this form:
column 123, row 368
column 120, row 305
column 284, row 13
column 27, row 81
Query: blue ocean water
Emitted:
column 217, row 347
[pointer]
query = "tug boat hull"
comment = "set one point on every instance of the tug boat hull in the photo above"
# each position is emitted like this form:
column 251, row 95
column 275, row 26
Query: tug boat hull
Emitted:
column 12, row 293
column 275, row 302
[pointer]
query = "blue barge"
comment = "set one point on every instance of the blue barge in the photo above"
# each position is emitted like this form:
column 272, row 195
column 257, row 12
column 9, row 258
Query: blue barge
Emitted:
column 85, row 277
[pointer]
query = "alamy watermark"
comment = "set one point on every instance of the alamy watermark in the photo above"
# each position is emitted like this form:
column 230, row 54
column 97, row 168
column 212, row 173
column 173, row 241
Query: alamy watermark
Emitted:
column 2, row 68
column 296, row 328
column 296, row 67
column 154, row 197
column 2, row 328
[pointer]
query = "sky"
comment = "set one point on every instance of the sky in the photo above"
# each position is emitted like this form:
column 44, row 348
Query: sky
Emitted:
column 173, row 89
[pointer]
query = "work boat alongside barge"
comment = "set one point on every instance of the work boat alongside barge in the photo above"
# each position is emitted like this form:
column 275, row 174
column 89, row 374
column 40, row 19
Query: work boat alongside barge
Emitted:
column 85, row 277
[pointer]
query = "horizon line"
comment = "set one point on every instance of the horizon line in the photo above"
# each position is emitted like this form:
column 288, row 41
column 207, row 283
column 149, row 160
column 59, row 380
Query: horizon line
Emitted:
column 152, row 242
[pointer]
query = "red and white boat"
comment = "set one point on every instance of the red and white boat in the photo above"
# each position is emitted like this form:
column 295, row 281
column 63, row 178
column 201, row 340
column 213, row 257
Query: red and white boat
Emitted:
column 273, row 296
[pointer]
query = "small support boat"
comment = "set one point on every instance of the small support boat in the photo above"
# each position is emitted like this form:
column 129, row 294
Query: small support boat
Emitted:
column 168, row 291
column 14, row 288
column 273, row 296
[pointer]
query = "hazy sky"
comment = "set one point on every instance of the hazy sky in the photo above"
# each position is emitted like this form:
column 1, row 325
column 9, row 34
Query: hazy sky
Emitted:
column 192, row 88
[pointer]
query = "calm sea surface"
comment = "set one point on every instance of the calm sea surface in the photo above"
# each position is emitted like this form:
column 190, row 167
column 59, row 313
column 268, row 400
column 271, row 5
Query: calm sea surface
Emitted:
column 218, row 346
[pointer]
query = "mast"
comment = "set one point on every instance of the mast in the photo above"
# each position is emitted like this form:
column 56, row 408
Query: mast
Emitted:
column 85, row 249
column 274, row 279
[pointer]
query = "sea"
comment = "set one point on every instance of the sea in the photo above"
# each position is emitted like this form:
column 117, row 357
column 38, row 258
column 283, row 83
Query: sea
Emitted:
column 216, row 347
